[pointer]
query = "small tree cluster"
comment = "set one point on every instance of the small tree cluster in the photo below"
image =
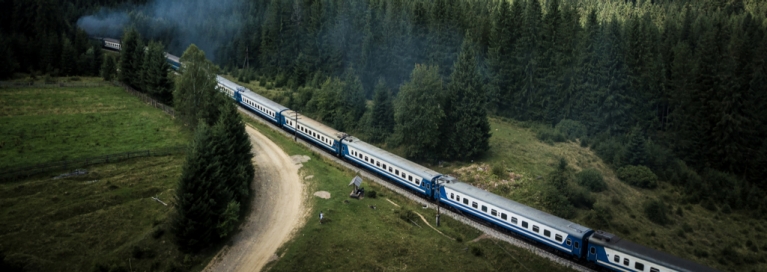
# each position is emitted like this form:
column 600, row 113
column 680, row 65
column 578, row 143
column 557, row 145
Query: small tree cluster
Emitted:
column 218, row 170
column 143, row 67
column 657, row 212
column 639, row 176
column 591, row 179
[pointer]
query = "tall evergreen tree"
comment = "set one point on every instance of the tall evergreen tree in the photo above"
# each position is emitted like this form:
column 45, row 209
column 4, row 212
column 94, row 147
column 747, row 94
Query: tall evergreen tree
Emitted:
column 382, row 117
column 635, row 151
column 156, row 73
column 131, row 56
column 468, row 132
column 194, row 98
column 198, row 199
column 68, row 59
column 109, row 68
column 235, row 149
column 416, row 114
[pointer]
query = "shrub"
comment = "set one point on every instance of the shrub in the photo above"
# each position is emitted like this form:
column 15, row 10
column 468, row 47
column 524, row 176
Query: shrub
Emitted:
column 499, row 171
column 558, row 203
column 476, row 251
column 549, row 135
column 371, row 194
column 584, row 142
column 407, row 215
column 572, row 129
column 580, row 198
column 591, row 179
column 656, row 211
column 726, row 209
column 599, row 217
column 262, row 83
column 639, row 176
column 708, row 204
column 157, row 233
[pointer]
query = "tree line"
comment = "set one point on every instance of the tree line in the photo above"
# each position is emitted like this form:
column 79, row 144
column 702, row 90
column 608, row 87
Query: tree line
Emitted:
column 144, row 67
column 685, row 77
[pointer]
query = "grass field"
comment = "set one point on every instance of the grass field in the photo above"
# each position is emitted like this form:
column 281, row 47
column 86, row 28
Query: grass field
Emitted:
column 731, row 242
column 40, row 125
column 359, row 238
column 105, row 219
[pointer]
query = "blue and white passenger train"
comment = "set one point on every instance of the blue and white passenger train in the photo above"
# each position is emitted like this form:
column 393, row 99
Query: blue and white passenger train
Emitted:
column 593, row 247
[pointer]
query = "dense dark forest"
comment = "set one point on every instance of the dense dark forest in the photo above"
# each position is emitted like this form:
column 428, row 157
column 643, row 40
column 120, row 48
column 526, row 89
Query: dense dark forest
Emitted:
column 676, row 86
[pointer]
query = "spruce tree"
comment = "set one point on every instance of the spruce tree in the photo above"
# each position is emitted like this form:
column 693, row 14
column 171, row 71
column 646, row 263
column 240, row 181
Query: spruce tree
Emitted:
column 235, row 149
column 635, row 151
column 109, row 69
column 131, row 57
column 416, row 114
column 382, row 117
column 199, row 194
column 468, row 132
column 194, row 97
column 68, row 59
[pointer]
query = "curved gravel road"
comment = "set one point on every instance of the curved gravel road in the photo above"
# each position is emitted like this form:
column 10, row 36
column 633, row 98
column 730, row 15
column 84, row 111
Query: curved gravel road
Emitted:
column 277, row 210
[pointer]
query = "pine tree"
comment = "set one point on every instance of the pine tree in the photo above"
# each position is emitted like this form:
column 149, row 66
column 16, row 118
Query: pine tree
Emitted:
column 68, row 59
column 352, row 97
column 235, row 150
column 194, row 97
column 635, row 151
column 417, row 115
column 468, row 132
column 156, row 73
column 199, row 194
column 131, row 56
column 109, row 69
column 382, row 117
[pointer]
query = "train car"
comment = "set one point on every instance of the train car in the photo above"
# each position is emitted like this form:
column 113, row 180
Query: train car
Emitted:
column 313, row 131
column 542, row 227
column 613, row 252
column 111, row 44
column 252, row 101
column 409, row 174
column 174, row 61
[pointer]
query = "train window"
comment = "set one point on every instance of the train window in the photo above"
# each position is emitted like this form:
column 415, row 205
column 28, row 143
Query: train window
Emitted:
column 653, row 269
column 366, row 158
column 396, row 171
column 451, row 196
column 474, row 204
column 378, row 163
column 466, row 201
column 593, row 250
column 514, row 220
column 484, row 208
column 418, row 182
column 617, row 259
column 457, row 198
column 639, row 266
column 503, row 216
column 390, row 170
column 568, row 242
column 626, row 261
column 577, row 245
column 558, row 238
column 409, row 177
column 384, row 166
column 403, row 175
column 372, row 161
column 535, row 228
column 546, row 233
column 494, row 212
column 524, row 224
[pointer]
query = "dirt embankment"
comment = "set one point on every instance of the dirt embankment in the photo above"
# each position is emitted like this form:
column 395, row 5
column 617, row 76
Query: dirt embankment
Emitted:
column 278, row 209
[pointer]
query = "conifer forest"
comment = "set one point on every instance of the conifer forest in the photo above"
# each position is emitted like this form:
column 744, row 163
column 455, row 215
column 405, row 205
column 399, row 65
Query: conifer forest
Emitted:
column 678, row 87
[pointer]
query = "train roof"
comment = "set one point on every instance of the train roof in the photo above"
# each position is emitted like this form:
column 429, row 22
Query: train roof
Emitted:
column 111, row 40
column 313, row 124
column 391, row 158
column 550, row 220
column 173, row 58
column 613, row 241
column 245, row 92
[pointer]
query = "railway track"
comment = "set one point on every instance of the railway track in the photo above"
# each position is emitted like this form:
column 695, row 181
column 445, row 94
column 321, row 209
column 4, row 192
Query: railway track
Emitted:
column 445, row 211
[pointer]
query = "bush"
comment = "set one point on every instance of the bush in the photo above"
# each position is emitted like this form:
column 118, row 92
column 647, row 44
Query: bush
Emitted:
column 558, row 203
column 639, row 176
column 584, row 142
column 726, row 209
column 599, row 217
column 591, row 179
column 708, row 204
column 407, row 215
column 476, row 251
column 657, row 212
column 580, row 198
column 549, row 135
column 499, row 171
column 157, row 233
column 371, row 194
column 572, row 129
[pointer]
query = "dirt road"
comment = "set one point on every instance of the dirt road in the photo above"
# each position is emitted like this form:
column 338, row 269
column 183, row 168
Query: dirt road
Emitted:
column 278, row 209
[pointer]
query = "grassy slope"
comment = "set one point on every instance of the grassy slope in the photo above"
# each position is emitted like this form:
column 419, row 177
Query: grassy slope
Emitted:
column 516, row 148
column 50, row 124
column 360, row 238
column 76, row 223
